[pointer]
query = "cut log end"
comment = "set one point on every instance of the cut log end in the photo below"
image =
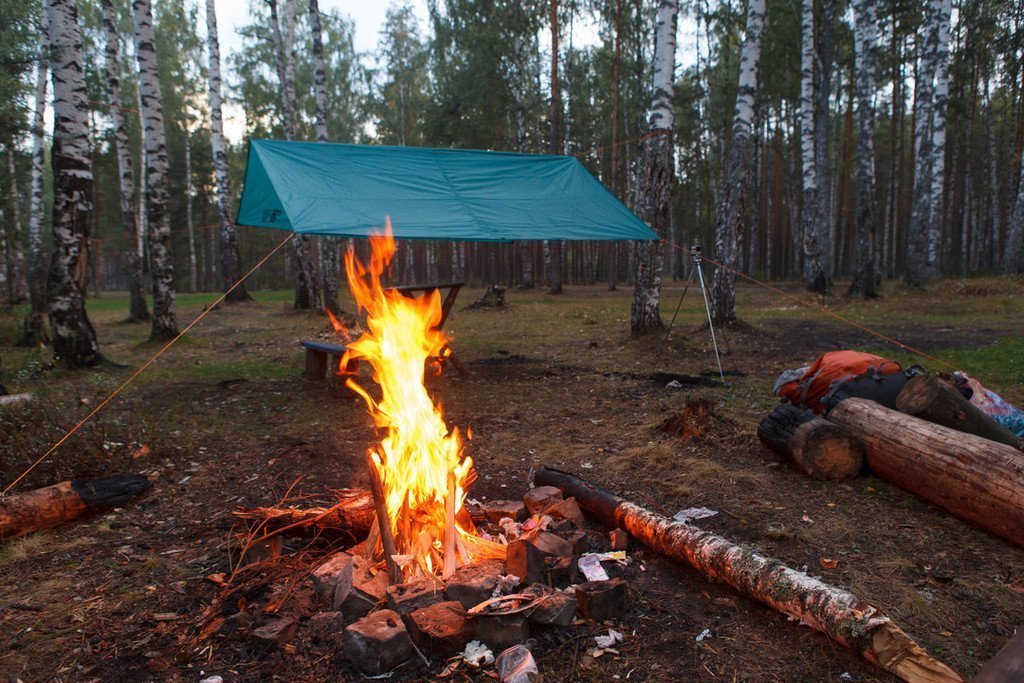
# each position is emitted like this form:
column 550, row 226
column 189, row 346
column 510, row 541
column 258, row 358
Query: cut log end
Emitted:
column 814, row 446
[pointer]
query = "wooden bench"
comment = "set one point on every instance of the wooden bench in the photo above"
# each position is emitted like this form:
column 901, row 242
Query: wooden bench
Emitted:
column 317, row 352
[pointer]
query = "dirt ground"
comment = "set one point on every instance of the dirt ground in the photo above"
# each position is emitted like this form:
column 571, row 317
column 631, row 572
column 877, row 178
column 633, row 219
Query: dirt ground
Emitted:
column 223, row 421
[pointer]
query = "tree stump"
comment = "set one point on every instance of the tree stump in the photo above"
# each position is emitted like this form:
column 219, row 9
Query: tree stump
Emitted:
column 812, row 445
column 494, row 297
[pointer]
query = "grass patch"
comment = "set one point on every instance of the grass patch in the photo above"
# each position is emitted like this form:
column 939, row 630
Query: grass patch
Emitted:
column 1000, row 362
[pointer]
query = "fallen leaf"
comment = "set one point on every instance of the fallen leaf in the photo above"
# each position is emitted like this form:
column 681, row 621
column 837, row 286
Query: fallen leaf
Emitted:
column 217, row 578
column 165, row 616
column 807, row 519
column 946, row 633
column 829, row 563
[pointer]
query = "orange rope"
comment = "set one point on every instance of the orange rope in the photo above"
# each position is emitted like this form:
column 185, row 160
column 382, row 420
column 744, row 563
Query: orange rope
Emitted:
column 142, row 369
column 821, row 309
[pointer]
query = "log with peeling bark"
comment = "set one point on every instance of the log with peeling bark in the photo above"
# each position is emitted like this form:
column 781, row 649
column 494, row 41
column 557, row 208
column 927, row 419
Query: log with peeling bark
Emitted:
column 349, row 519
column 23, row 513
column 814, row 446
column 929, row 398
column 973, row 478
column 840, row 615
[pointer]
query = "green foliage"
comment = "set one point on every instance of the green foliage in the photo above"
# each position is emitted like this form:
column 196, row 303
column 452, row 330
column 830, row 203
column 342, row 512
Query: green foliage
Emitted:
column 403, row 93
column 18, row 53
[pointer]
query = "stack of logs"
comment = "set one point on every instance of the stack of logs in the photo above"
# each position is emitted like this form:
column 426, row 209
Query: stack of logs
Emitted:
column 937, row 445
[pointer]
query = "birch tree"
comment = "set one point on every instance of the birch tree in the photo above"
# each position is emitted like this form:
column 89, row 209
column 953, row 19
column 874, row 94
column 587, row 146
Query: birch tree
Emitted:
column 137, row 309
column 938, row 134
column 230, row 261
column 158, row 219
column 825, row 48
column 74, row 339
column 732, row 195
column 865, row 219
column 307, row 292
column 330, row 247
column 190, row 226
column 814, row 275
column 659, row 176
column 15, row 255
column 34, row 328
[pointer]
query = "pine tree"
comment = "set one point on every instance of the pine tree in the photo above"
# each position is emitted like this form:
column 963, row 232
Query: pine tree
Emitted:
column 74, row 339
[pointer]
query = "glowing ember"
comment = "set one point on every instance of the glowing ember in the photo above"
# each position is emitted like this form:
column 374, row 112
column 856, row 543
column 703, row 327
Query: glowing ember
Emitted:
column 420, row 461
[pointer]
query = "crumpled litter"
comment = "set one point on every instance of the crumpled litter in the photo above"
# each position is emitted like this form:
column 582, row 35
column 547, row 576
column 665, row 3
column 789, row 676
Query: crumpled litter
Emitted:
column 516, row 665
column 477, row 655
column 608, row 640
column 703, row 635
column 690, row 514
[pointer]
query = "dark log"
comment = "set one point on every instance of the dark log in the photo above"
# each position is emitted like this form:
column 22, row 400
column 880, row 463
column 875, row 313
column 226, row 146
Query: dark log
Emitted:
column 814, row 446
column 975, row 479
column 67, row 501
column 1007, row 665
column 929, row 398
column 840, row 615
column 348, row 520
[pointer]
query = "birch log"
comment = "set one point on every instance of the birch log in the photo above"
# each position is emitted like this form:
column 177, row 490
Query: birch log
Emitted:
column 732, row 196
column 230, row 261
column 840, row 615
column 34, row 328
column 74, row 339
column 158, row 217
column 659, row 175
column 137, row 309
column 978, row 480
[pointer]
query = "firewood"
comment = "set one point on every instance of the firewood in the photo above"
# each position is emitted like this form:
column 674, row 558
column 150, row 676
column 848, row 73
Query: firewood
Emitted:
column 929, row 398
column 973, row 478
column 23, row 513
column 840, row 615
column 349, row 519
column 387, row 538
column 814, row 446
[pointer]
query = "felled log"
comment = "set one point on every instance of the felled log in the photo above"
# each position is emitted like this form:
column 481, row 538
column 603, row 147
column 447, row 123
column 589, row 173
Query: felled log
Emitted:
column 350, row 519
column 840, row 615
column 929, row 398
column 814, row 446
column 67, row 501
column 973, row 478
column 1007, row 665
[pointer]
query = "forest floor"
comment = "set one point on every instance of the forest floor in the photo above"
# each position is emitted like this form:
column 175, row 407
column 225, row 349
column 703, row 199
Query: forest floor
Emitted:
column 223, row 421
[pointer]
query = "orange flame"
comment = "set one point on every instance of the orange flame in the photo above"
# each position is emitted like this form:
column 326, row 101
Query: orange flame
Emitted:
column 419, row 453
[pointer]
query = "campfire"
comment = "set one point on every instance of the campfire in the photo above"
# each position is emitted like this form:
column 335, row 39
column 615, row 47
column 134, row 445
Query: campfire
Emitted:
column 420, row 462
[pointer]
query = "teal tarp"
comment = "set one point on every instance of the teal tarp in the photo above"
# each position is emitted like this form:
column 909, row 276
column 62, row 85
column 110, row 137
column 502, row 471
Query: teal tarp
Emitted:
column 347, row 190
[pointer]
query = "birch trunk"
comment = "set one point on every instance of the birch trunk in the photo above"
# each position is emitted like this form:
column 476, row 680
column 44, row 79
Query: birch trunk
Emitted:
column 814, row 276
column 330, row 247
column 938, row 133
column 918, row 271
column 865, row 216
column 826, row 224
column 230, row 261
column 557, row 147
column 15, row 254
column 193, row 284
column 74, row 339
column 161, row 261
column 659, row 176
column 137, row 309
column 1013, row 253
column 732, row 196
column 307, row 294
column 34, row 328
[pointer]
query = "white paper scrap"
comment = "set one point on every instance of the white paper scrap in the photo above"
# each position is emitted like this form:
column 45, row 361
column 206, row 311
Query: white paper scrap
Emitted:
column 690, row 514
column 590, row 565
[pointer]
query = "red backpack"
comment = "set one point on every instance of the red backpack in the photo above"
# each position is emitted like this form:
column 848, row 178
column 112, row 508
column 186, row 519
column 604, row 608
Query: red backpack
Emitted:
column 822, row 385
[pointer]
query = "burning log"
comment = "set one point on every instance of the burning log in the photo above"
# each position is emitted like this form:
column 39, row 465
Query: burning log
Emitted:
column 814, row 446
column 929, row 398
column 973, row 478
column 842, row 616
column 349, row 519
column 380, row 505
column 67, row 501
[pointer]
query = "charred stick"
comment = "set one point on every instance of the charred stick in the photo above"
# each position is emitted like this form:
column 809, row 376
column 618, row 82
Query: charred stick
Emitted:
column 840, row 615
column 387, row 539
column 449, row 527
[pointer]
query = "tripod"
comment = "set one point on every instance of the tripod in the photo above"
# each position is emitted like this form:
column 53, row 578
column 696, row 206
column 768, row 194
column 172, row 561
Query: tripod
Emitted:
column 698, row 271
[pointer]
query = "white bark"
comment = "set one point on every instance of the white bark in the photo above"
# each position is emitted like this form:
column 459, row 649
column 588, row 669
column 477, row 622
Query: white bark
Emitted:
column 36, row 257
column 126, row 174
column 74, row 340
column 230, row 262
column 659, row 175
column 938, row 162
column 165, row 325
column 15, row 255
column 189, row 222
column 732, row 196
column 865, row 37
column 814, row 277
column 824, row 59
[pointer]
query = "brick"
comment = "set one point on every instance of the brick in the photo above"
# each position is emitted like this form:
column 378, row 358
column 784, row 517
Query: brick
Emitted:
column 500, row 631
column 618, row 539
column 475, row 582
column 369, row 587
column 600, row 600
column 412, row 595
column 493, row 511
column 541, row 498
column 554, row 608
column 378, row 643
column 546, row 558
column 443, row 629
column 276, row 632
column 568, row 510
column 325, row 627
column 333, row 579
